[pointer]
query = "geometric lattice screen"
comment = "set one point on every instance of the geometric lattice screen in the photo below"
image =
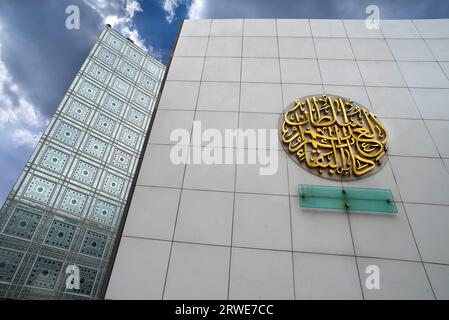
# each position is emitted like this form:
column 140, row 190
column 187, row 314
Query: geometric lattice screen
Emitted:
column 66, row 207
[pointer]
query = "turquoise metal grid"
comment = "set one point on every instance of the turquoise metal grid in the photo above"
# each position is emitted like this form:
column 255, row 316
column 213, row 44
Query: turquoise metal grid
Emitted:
column 67, row 205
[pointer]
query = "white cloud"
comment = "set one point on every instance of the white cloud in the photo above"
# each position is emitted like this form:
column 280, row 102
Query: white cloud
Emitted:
column 196, row 9
column 13, row 105
column 16, row 112
column 170, row 7
column 132, row 7
column 120, row 14
column 25, row 137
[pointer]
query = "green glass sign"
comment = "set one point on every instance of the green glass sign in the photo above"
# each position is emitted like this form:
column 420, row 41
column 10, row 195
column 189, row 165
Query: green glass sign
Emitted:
column 347, row 199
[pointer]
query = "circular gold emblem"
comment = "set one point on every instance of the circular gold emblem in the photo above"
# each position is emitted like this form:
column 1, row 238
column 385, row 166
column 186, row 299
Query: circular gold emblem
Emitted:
column 334, row 137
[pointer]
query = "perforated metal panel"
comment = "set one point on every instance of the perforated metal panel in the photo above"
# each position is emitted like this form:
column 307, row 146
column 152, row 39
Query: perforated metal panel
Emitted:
column 129, row 137
column 73, row 202
column 77, row 110
column 85, row 173
column 127, row 69
column 87, row 281
column 60, row 235
column 95, row 147
column 104, row 124
column 9, row 261
column 135, row 117
column 113, row 185
column 39, row 189
column 44, row 273
column 22, row 224
column 142, row 99
column 94, row 244
column 104, row 212
column 106, row 56
column 148, row 83
column 67, row 134
column 88, row 90
column 98, row 72
column 67, row 205
column 113, row 104
column 121, row 86
column 54, row 160
column 122, row 160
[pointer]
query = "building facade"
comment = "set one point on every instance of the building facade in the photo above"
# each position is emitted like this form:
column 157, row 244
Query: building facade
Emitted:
column 64, row 213
column 224, row 231
column 206, row 222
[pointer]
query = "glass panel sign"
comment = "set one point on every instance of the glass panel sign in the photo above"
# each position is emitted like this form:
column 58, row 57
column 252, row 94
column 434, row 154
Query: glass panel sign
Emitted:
column 347, row 199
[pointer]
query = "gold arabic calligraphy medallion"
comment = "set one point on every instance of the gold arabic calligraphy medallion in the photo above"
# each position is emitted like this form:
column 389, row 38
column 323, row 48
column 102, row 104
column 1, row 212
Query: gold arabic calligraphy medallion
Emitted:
column 334, row 137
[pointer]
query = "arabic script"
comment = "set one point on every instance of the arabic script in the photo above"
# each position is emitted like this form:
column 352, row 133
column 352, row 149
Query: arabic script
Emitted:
column 334, row 136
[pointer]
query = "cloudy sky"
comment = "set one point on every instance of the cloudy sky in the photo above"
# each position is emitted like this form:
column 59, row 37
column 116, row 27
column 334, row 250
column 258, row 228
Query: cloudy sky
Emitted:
column 39, row 57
